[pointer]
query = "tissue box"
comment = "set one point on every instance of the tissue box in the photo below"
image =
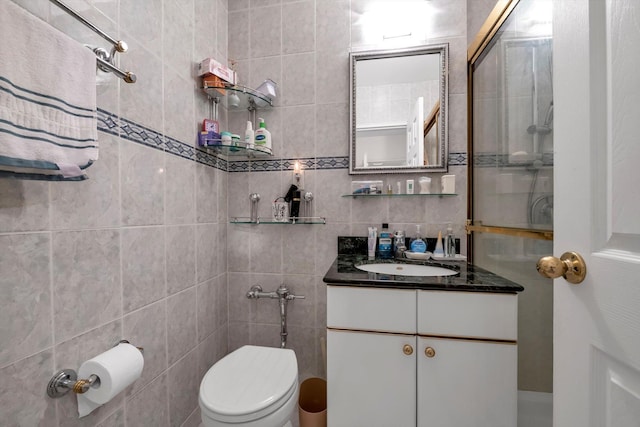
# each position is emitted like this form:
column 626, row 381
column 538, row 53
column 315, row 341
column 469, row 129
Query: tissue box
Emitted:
column 210, row 138
column 366, row 187
column 214, row 82
column 210, row 66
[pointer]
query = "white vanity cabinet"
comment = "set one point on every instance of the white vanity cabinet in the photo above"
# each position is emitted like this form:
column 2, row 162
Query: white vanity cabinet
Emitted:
column 467, row 359
column 367, row 368
column 421, row 358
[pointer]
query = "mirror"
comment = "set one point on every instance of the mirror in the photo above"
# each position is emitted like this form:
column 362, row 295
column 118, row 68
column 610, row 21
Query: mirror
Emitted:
column 399, row 110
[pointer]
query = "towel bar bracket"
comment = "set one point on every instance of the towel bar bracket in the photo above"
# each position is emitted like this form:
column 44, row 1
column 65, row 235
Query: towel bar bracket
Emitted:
column 105, row 63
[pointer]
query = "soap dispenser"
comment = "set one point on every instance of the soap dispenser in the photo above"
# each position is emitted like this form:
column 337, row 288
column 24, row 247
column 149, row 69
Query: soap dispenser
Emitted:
column 418, row 245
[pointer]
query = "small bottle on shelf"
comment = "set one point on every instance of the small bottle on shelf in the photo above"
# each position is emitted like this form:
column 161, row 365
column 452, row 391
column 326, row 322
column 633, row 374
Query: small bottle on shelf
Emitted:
column 450, row 243
column 249, row 135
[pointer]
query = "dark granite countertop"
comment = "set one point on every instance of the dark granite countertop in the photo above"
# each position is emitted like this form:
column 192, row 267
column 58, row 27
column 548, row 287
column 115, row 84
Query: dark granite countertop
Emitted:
column 470, row 278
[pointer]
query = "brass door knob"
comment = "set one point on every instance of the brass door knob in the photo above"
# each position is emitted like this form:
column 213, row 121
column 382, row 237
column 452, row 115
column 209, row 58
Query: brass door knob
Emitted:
column 429, row 352
column 407, row 349
column 570, row 265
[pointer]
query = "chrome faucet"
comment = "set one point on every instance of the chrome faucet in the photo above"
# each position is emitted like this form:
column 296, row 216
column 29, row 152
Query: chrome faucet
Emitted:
column 399, row 246
column 283, row 295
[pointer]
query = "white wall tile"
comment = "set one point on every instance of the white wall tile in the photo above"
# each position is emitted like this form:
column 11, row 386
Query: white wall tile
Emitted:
column 25, row 296
column 86, row 274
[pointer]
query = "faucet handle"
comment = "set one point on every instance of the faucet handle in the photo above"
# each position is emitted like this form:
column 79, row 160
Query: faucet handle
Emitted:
column 292, row 297
column 254, row 292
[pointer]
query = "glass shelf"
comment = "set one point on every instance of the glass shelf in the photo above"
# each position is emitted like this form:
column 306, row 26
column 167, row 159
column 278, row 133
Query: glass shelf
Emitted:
column 400, row 195
column 247, row 98
column 296, row 221
column 238, row 149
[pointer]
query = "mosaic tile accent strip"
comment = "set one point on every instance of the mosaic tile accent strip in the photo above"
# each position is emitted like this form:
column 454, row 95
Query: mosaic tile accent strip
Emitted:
column 108, row 122
column 275, row 165
column 457, row 159
column 332, row 163
column 494, row 160
column 178, row 148
column 126, row 129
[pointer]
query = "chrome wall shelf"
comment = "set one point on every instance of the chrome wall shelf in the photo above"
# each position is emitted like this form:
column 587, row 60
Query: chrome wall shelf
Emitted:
column 295, row 221
column 237, row 149
column 248, row 99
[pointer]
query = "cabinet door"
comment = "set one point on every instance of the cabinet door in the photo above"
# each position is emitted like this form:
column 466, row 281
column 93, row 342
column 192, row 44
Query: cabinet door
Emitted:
column 371, row 382
column 467, row 383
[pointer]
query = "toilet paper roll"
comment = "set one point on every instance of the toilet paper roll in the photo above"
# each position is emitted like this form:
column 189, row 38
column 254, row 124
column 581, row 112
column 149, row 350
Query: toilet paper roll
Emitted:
column 117, row 368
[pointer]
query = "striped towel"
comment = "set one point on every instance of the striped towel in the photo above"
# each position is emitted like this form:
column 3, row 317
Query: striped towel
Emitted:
column 47, row 100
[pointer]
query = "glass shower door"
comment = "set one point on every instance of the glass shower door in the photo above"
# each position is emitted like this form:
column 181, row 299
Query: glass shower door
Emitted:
column 511, row 202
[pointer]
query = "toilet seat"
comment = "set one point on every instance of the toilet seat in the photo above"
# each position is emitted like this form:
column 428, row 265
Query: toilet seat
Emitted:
column 248, row 384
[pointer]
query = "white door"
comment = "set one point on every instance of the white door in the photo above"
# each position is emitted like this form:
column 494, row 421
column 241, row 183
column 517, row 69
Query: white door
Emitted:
column 597, row 207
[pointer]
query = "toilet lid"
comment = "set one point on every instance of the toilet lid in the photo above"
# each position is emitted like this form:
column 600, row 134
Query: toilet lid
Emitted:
column 249, row 380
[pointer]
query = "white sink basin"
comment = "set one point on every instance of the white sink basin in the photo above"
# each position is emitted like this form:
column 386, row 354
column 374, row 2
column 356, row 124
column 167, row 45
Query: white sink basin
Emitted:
column 407, row 269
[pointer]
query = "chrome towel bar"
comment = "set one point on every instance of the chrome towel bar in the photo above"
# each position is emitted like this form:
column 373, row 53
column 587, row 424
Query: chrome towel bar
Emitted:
column 104, row 59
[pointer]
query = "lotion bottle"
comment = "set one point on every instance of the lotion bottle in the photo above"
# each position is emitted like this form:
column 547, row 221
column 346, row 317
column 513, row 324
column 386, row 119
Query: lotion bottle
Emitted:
column 263, row 136
column 249, row 135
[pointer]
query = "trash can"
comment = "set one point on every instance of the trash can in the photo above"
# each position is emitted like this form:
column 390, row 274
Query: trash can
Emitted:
column 312, row 403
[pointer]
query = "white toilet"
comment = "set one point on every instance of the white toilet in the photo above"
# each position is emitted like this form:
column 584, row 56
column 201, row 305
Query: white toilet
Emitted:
column 251, row 387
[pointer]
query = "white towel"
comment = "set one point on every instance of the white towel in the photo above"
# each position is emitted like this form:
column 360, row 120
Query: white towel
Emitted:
column 47, row 100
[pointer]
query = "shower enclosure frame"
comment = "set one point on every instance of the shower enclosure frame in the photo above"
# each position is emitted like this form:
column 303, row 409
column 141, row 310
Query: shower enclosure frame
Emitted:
column 477, row 48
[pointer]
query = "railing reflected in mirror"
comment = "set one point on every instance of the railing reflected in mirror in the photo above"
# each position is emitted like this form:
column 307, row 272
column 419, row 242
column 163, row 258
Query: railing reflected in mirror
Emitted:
column 399, row 110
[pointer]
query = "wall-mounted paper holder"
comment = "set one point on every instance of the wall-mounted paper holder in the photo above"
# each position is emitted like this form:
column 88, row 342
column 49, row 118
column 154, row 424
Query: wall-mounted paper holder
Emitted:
column 66, row 380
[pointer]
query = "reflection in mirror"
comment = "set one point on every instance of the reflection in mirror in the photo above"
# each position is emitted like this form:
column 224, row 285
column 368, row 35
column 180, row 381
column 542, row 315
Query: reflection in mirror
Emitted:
column 399, row 110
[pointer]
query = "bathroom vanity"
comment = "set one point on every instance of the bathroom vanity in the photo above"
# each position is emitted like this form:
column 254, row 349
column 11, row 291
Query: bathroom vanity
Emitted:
column 420, row 351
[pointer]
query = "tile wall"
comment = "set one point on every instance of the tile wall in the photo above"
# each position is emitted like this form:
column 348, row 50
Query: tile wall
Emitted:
column 136, row 251
column 304, row 46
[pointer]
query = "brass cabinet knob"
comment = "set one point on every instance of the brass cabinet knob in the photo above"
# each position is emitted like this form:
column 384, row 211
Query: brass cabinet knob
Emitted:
column 570, row 265
column 407, row 349
column 429, row 352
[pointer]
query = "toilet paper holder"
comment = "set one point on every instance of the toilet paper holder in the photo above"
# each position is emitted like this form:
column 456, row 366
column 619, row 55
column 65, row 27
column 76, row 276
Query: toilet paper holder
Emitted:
column 66, row 380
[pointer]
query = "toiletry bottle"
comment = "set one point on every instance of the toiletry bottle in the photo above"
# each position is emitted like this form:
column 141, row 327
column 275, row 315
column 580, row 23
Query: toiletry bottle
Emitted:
column 418, row 245
column 409, row 186
column 249, row 135
column 384, row 244
column 263, row 136
column 371, row 244
column 450, row 243
column 439, row 251
column 399, row 242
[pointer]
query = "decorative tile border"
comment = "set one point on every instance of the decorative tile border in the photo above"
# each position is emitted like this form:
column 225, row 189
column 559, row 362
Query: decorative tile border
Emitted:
column 276, row 165
column 494, row 160
column 457, row 159
column 124, row 128
column 334, row 162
